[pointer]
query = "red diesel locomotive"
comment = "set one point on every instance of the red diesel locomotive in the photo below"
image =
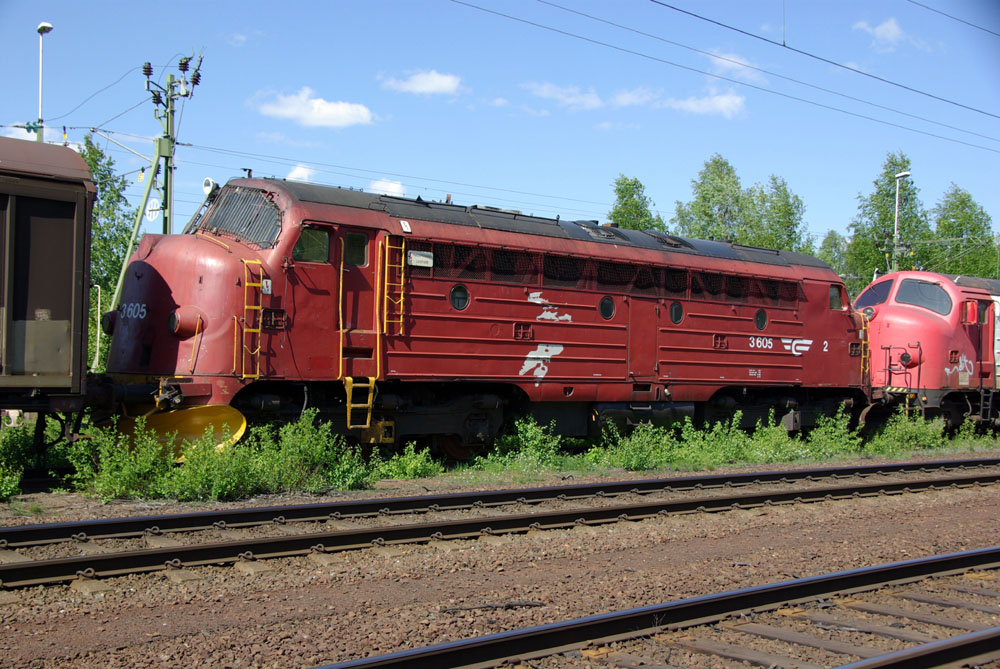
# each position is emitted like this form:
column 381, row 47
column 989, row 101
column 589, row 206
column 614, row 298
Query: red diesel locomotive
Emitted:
column 934, row 343
column 402, row 319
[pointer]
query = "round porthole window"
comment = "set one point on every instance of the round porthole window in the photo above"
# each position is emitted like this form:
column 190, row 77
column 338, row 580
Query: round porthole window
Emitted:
column 607, row 308
column 760, row 319
column 459, row 297
column 676, row 313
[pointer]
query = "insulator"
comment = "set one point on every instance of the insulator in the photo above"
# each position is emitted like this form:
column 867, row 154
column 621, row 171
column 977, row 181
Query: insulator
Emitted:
column 157, row 100
column 183, row 65
column 196, row 78
column 147, row 70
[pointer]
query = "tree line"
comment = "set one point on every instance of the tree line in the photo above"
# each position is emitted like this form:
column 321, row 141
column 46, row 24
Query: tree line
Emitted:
column 953, row 237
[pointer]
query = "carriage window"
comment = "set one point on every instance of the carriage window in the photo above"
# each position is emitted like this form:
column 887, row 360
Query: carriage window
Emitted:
column 356, row 249
column 313, row 245
column 924, row 294
column 875, row 294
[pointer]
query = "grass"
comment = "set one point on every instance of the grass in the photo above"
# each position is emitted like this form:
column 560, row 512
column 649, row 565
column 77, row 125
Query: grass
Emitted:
column 305, row 456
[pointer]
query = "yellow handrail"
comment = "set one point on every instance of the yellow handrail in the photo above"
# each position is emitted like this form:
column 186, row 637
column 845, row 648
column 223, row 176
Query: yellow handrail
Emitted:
column 378, row 335
column 194, row 349
column 340, row 311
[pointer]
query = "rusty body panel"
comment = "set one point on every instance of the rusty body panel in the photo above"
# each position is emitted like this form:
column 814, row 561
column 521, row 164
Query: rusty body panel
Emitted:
column 46, row 200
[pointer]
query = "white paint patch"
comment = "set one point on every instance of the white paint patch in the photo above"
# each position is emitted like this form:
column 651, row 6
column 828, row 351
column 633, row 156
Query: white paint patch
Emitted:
column 549, row 313
column 537, row 362
column 964, row 368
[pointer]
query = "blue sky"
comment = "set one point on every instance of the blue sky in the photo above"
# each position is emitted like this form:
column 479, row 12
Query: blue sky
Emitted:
column 538, row 114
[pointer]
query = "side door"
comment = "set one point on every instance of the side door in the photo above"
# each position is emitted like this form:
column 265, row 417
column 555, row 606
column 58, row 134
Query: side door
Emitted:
column 311, row 304
column 358, row 262
column 643, row 333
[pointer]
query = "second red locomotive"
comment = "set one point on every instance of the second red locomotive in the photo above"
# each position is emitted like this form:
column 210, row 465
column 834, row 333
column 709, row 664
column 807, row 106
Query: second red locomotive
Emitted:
column 404, row 319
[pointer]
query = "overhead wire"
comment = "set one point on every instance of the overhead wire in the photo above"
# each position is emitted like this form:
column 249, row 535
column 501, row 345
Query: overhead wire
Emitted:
column 802, row 52
column 953, row 18
column 762, row 70
column 721, row 77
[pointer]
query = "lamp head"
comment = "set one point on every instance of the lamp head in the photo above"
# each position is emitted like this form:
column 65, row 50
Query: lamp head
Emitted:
column 902, row 175
column 44, row 27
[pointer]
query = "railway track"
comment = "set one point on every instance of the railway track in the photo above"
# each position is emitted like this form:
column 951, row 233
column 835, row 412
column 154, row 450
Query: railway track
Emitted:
column 112, row 547
column 930, row 612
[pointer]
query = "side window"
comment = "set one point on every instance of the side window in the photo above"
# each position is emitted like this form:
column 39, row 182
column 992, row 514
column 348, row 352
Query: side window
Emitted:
column 836, row 297
column 356, row 249
column 313, row 245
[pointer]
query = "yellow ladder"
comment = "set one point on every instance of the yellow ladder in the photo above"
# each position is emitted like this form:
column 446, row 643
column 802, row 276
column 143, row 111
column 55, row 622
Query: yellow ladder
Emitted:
column 866, row 354
column 395, row 278
column 252, row 312
column 367, row 386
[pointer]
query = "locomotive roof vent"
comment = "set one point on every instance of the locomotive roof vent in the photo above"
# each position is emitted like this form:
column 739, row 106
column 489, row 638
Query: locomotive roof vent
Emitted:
column 496, row 210
column 668, row 240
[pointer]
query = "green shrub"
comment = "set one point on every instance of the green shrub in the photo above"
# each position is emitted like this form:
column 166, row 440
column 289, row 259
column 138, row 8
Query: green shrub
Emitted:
column 833, row 436
column 410, row 464
column 310, row 458
column 771, row 442
column 528, row 447
column 903, row 434
column 646, row 447
column 212, row 473
column 10, row 482
column 119, row 466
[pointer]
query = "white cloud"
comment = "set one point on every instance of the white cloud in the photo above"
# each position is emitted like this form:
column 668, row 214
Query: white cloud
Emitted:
column 727, row 105
column 387, row 187
column 886, row 36
column 735, row 66
column 425, row 82
column 570, row 97
column 308, row 110
column 498, row 102
column 301, row 173
column 636, row 97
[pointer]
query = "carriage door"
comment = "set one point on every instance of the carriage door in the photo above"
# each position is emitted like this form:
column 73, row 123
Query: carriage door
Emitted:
column 356, row 259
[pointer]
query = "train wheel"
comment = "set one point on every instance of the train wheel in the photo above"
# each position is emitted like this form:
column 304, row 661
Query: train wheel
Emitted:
column 453, row 447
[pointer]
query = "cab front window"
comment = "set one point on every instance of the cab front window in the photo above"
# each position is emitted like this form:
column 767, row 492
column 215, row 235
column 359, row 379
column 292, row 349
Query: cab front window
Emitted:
column 924, row 294
column 875, row 294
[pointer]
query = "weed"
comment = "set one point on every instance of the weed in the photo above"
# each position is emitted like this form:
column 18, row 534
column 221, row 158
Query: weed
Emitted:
column 903, row 434
column 529, row 447
column 410, row 464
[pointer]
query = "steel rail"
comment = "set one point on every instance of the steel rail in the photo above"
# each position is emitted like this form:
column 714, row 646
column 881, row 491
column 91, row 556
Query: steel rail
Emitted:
column 19, row 574
column 965, row 648
column 558, row 637
column 28, row 535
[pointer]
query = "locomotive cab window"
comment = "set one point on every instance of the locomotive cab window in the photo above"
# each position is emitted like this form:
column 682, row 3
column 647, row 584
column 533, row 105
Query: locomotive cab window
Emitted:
column 924, row 294
column 356, row 249
column 876, row 294
column 313, row 245
column 838, row 298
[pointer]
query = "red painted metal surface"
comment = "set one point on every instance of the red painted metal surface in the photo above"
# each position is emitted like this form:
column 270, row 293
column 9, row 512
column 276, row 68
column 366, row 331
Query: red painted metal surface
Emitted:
column 681, row 320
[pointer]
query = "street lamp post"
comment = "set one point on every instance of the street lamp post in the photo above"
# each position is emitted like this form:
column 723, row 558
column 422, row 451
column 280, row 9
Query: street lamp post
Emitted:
column 895, row 225
column 43, row 29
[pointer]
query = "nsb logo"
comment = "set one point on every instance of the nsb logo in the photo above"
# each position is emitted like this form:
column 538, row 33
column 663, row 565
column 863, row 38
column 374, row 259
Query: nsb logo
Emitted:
column 797, row 346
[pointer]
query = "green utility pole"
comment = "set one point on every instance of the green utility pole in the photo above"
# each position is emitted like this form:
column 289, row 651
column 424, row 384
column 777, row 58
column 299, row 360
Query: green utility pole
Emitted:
column 164, row 98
